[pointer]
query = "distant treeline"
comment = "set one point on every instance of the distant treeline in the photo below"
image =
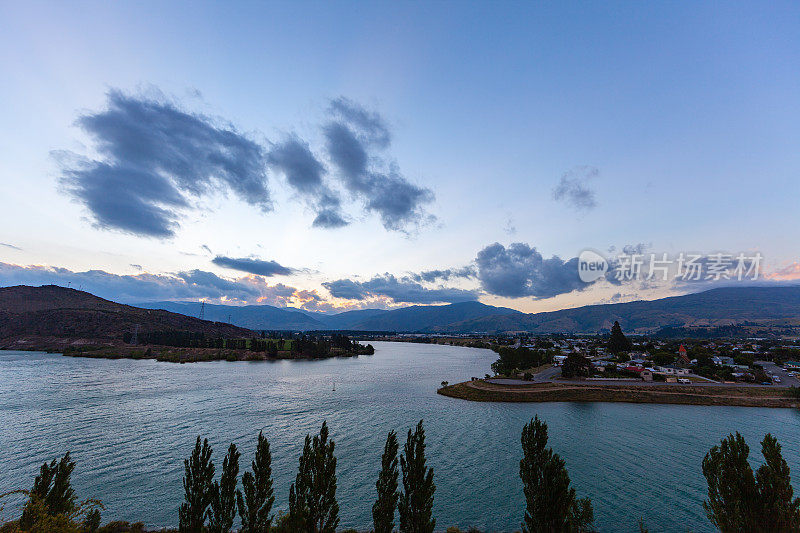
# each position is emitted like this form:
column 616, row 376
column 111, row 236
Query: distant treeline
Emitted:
column 300, row 344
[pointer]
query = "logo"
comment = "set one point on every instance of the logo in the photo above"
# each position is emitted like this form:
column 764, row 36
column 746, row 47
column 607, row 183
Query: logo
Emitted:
column 591, row 266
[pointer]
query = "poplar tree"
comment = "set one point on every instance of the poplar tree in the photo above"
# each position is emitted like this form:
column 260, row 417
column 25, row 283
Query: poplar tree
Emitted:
column 551, row 504
column 384, row 507
column 312, row 497
column 197, row 487
column 223, row 501
column 780, row 509
column 257, row 497
column 416, row 501
column 741, row 501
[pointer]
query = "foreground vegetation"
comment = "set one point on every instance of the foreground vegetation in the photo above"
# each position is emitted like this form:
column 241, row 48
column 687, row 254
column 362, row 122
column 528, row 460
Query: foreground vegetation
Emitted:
column 739, row 500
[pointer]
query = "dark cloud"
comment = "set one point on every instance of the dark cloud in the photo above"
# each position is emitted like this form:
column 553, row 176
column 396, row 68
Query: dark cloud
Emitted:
column 371, row 124
column 156, row 158
column 253, row 266
column 304, row 173
column 355, row 140
column 137, row 267
column 575, row 190
column 520, row 270
column 398, row 290
column 6, row 245
column 190, row 285
column 432, row 275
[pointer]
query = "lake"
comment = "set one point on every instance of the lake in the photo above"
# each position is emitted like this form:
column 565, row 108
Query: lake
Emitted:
column 130, row 424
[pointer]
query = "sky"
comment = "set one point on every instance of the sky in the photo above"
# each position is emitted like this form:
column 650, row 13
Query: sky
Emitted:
column 345, row 155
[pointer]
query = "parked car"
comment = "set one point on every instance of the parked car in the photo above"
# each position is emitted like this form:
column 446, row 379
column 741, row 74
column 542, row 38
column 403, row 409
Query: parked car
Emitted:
column 684, row 380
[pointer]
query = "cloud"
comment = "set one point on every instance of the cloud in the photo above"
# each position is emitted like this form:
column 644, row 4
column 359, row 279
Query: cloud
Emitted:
column 253, row 266
column 155, row 159
column 398, row 290
column 304, row 173
column 136, row 266
column 575, row 190
column 6, row 245
column 520, row 270
column 142, row 287
column 790, row 272
column 355, row 139
column 432, row 275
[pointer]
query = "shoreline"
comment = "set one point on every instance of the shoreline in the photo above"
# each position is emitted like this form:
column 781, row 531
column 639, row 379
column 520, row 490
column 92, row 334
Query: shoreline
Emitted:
column 482, row 391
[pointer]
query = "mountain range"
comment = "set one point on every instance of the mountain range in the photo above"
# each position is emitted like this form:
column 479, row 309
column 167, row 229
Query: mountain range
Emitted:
column 778, row 305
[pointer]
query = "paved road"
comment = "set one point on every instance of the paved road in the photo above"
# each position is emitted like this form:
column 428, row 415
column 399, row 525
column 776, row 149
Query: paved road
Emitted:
column 774, row 370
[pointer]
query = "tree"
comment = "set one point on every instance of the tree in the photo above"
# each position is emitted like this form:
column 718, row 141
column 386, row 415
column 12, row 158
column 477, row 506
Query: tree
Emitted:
column 312, row 497
column 551, row 504
column 416, row 501
column 576, row 365
column 52, row 491
column 740, row 501
column 618, row 342
column 255, row 503
column 197, row 488
column 223, row 494
column 780, row 511
column 384, row 507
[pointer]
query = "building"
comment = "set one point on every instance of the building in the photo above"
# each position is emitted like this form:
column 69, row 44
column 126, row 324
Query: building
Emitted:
column 792, row 365
column 672, row 370
column 683, row 359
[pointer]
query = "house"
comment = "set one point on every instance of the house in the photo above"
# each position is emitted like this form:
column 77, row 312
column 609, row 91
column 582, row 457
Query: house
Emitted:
column 672, row 370
column 792, row 365
column 558, row 360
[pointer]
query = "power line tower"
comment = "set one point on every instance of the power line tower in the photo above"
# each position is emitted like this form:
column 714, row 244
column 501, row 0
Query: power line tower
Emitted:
column 135, row 336
column 202, row 310
column 229, row 319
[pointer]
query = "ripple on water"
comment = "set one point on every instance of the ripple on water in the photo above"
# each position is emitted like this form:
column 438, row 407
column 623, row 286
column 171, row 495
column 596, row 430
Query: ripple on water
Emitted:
column 130, row 424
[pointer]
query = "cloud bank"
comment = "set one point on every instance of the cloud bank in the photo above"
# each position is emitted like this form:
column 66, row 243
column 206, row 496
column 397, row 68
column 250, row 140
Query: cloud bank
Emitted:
column 144, row 287
column 403, row 290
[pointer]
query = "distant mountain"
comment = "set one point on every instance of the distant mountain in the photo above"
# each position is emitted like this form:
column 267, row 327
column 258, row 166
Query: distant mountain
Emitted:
column 407, row 319
column 256, row 317
column 61, row 313
column 426, row 318
column 716, row 307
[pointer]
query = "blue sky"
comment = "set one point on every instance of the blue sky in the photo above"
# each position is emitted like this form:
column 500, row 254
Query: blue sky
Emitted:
column 679, row 122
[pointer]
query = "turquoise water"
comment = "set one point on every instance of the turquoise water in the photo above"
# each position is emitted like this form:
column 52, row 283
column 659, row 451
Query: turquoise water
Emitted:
column 130, row 424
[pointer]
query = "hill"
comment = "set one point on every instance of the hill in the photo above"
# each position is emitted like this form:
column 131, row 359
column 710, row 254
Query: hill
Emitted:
column 55, row 315
column 715, row 307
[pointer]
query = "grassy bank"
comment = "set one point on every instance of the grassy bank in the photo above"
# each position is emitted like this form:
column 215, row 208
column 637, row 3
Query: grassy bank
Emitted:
column 481, row 391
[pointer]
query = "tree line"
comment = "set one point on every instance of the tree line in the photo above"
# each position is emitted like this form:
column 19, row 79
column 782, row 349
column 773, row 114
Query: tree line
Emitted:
column 300, row 345
column 739, row 499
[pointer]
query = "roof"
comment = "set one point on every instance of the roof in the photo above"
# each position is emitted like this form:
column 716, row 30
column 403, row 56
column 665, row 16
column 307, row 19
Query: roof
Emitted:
column 682, row 349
